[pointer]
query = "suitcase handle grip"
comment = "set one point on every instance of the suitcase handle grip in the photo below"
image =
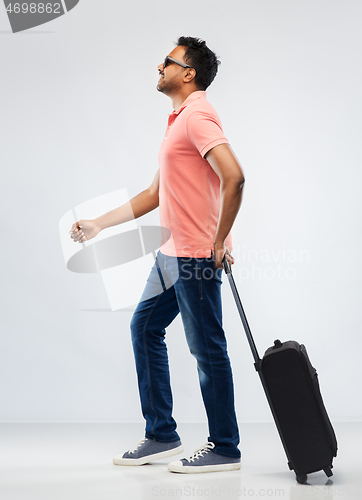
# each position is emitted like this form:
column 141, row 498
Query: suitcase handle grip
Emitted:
column 225, row 263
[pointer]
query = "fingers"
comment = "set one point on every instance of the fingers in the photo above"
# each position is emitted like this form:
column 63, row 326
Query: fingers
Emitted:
column 74, row 227
column 229, row 257
column 77, row 234
column 221, row 251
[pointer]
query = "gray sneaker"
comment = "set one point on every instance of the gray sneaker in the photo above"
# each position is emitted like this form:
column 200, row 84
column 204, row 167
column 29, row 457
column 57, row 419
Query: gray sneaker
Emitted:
column 148, row 450
column 205, row 460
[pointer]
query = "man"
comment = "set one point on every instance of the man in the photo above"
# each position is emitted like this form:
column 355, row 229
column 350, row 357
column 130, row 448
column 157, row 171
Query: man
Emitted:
column 198, row 189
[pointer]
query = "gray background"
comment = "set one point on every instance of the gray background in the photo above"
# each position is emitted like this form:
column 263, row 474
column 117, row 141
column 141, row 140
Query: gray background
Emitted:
column 81, row 117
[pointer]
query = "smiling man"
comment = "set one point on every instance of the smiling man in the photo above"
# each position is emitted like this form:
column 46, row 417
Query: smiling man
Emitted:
column 198, row 189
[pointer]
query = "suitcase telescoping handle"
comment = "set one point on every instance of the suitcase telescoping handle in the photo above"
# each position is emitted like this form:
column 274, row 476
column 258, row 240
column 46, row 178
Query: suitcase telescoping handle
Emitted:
column 239, row 305
column 254, row 351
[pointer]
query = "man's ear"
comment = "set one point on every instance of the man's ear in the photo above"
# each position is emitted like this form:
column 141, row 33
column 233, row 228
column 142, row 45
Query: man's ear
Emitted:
column 189, row 75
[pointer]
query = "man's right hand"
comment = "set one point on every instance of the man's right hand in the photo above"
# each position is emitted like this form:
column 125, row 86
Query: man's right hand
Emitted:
column 84, row 230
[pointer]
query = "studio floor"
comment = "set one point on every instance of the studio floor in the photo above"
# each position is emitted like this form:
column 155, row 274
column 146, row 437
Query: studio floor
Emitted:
column 73, row 461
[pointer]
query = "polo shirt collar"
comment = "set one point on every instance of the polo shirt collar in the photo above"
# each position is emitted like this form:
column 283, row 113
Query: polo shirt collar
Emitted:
column 198, row 94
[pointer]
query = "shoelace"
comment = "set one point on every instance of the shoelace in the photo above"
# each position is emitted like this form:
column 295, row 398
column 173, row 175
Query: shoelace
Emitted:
column 206, row 448
column 139, row 445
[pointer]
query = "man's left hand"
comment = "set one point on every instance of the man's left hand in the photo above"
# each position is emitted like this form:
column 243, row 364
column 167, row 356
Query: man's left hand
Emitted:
column 219, row 251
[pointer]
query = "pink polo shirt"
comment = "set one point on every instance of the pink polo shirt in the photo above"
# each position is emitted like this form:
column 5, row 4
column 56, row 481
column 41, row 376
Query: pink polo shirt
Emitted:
column 189, row 190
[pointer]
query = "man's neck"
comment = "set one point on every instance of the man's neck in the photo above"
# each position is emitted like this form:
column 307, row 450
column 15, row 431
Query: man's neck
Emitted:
column 180, row 98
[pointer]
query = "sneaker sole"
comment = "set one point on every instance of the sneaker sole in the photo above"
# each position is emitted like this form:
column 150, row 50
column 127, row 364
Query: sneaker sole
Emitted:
column 148, row 458
column 196, row 469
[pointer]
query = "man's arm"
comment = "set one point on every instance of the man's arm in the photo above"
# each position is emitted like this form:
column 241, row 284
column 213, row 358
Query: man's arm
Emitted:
column 141, row 204
column 224, row 162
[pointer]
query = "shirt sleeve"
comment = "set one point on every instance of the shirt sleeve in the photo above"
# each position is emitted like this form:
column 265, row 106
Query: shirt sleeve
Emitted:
column 205, row 132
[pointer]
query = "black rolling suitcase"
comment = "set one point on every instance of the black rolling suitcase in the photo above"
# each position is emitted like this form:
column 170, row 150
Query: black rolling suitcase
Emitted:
column 292, row 390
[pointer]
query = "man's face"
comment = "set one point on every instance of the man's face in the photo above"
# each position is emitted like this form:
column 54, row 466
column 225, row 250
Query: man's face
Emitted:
column 170, row 81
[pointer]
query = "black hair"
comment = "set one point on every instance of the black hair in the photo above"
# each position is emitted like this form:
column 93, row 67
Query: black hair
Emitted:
column 201, row 58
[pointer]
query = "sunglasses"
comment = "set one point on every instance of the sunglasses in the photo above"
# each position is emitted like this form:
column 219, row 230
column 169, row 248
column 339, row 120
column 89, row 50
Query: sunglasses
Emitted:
column 169, row 60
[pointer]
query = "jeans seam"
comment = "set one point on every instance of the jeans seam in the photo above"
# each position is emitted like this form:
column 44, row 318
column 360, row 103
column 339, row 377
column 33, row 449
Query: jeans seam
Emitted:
column 150, row 394
column 160, row 275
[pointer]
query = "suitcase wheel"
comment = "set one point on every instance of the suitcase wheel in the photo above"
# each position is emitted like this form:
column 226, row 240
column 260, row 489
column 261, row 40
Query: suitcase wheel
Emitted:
column 301, row 478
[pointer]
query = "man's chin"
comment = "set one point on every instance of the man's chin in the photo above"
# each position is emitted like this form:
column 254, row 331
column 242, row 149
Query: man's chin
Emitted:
column 160, row 88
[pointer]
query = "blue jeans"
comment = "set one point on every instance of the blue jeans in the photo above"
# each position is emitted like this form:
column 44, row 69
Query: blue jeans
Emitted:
column 191, row 286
